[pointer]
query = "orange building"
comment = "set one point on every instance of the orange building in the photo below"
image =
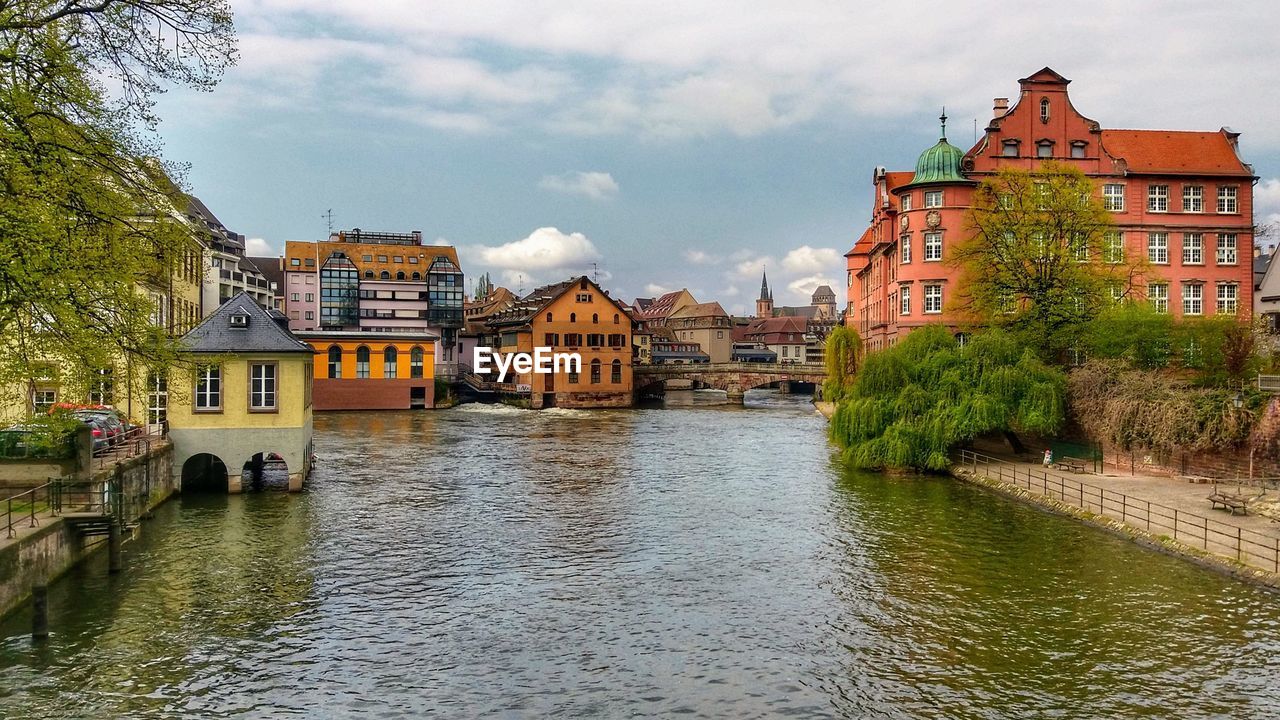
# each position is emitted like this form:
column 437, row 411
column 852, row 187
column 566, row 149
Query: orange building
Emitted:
column 574, row 316
column 1182, row 200
column 372, row 371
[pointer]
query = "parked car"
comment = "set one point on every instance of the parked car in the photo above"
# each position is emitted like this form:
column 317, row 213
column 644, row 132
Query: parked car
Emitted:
column 105, row 425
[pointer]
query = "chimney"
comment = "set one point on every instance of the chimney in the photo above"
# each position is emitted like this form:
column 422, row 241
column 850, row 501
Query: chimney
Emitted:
column 417, row 237
column 999, row 107
column 1257, row 251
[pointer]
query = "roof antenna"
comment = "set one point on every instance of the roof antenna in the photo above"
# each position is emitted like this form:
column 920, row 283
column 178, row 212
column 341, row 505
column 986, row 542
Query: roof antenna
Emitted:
column 328, row 215
column 975, row 130
column 595, row 273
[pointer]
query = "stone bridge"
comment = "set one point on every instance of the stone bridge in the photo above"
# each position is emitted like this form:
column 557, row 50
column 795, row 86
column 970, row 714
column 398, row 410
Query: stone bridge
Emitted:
column 734, row 378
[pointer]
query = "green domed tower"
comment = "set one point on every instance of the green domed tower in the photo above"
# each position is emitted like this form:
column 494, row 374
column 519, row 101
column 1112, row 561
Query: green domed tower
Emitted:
column 940, row 163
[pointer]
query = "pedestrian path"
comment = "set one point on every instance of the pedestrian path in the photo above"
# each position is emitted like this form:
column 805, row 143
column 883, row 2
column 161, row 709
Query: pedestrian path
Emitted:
column 1159, row 505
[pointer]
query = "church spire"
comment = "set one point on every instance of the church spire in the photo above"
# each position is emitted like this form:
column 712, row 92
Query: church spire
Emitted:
column 764, row 286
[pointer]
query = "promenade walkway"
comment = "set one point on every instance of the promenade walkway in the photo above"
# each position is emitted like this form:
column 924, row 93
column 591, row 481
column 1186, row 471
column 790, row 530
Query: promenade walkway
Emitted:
column 1159, row 505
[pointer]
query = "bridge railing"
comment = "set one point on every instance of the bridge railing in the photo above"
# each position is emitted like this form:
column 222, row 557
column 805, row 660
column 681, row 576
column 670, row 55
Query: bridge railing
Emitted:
column 743, row 367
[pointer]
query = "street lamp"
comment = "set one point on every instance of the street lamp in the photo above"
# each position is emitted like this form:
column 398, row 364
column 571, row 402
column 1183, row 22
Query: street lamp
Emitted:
column 1238, row 401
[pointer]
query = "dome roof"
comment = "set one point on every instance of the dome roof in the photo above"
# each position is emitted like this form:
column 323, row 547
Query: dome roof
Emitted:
column 940, row 163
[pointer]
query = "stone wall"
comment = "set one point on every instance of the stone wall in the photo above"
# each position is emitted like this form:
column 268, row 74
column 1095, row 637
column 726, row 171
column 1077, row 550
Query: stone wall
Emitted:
column 235, row 447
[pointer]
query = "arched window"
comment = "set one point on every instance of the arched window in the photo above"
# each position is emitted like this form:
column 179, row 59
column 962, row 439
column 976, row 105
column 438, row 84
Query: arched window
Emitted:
column 362, row 362
column 615, row 375
column 415, row 362
column 368, row 274
column 583, row 285
column 335, row 361
column 548, row 317
column 400, row 275
column 573, row 317
column 615, row 318
column 595, row 371
column 595, row 318
column 384, row 275
column 417, row 275
column 1044, row 110
column 389, row 357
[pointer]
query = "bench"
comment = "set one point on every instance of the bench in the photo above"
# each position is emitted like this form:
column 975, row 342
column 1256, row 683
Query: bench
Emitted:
column 1075, row 465
column 1197, row 479
column 1231, row 502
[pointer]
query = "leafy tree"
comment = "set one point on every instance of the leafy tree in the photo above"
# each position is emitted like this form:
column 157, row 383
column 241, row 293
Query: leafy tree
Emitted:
column 844, row 347
column 86, row 214
column 913, row 403
column 1036, row 260
column 1134, row 332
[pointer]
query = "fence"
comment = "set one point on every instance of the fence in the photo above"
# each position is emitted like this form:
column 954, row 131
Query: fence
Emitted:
column 61, row 496
column 136, row 441
column 1248, row 546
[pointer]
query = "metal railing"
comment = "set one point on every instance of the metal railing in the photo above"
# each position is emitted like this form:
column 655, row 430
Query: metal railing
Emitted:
column 28, row 506
column 1269, row 383
column 136, row 441
column 60, row 496
column 1247, row 546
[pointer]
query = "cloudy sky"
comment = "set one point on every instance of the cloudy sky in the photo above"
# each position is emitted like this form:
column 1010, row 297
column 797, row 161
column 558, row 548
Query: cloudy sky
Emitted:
column 669, row 144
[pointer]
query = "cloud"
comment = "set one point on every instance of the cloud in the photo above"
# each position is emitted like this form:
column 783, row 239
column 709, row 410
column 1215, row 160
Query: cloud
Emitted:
column 593, row 185
column 656, row 289
column 699, row 257
column 259, row 247
column 805, row 259
column 806, row 285
column 546, row 255
column 1266, row 202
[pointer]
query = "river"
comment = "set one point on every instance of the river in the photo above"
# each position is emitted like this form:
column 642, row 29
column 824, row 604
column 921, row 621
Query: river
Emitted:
column 697, row 560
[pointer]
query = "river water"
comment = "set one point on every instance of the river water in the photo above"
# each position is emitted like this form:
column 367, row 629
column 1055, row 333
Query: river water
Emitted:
column 696, row 560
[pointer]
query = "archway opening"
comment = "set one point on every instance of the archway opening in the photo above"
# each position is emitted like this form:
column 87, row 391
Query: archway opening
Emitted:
column 264, row 471
column 204, row 473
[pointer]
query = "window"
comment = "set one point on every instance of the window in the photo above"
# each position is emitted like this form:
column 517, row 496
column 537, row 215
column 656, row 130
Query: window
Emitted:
column 1192, row 198
column 904, row 251
column 573, row 339
column 1117, row 292
column 551, row 339
column 1227, row 199
column 157, row 398
column 1227, row 249
column 595, row 318
column 102, row 387
column 1077, row 149
column 415, row 362
column 615, row 372
column 573, row 376
column 617, row 319
column 932, row 246
column 1044, row 110
column 595, row 372
column 1228, row 296
column 1113, row 197
column 573, row 317
column 1009, row 148
column 905, row 301
column 548, row 317
column 1158, row 294
column 311, row 297
column 294, row 262
column 390, row 359
column 583, row 297
column 1044, row 149
column 1113, row 247
column 1158, row 198
column 43, row 399
column 933, row 298
column 595, row 340
column 295, row 297
column 362, row 362
column 1158, row 247
column 384, row 275
column 309, row 315
column 208, row 388
column 382, row 258
column 335, row 361
column 618, row 340
column 367, row 258
column 400, row 275
column 397, row 258
column 1192, row 249
column 416, row 275
column 1192, row 299
column 368, row 274
column 906, row 202
column 786, row 350
column 1080, row 247
column 310, row 279
column 262, row 386
column 933, row 199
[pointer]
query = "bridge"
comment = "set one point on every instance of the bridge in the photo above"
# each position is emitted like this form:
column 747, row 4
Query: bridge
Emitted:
column 735, row 378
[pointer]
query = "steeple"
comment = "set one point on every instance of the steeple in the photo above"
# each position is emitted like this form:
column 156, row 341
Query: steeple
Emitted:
column 940, row 163
column 764, row 304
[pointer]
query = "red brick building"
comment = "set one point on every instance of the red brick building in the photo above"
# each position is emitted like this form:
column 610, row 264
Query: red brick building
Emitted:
column 1183, row 200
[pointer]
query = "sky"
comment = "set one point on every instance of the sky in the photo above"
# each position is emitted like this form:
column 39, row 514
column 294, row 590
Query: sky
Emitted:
column 662, row 144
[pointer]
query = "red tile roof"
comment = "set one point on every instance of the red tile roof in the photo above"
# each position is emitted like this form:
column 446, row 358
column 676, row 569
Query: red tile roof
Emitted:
column 1175, row 152
column 898, row 178
column 863, row 244
column 659, row 308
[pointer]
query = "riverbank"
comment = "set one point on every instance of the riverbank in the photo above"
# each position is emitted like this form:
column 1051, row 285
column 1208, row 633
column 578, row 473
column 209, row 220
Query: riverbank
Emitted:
column 1160, row 513
column 825, row 409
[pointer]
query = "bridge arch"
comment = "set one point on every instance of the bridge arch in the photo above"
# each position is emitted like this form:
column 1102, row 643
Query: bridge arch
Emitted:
column 204, row 472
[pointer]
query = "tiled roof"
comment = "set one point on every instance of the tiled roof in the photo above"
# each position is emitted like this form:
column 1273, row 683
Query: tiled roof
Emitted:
column 863, row 244
column 711, row 309
column 661, row 307
column 261, row 334
column 1175, row 152
column 897, row 178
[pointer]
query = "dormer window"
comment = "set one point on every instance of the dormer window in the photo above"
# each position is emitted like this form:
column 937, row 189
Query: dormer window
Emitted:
column 1009, row 148
column 1044, row 149
column 240, row 320
column 1077, row 148
column 1044, row 110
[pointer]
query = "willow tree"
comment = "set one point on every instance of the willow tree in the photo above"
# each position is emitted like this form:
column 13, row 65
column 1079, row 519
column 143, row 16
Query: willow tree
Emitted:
column 87, row 215
column 915, row 402
column 841, row 354
column 1040, row 258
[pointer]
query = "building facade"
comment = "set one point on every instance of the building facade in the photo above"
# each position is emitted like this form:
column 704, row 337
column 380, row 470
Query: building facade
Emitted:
column 1181, row 200
column 229, row 272
column 575, row 316
column 247, row 398
column 706, row 325
column 370, row 282
column 367, row 371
